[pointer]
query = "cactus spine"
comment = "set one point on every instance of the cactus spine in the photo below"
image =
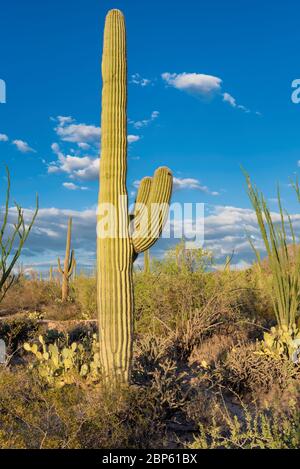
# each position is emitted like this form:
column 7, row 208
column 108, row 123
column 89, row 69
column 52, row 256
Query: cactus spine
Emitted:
column 116, row 253
column 69, row 264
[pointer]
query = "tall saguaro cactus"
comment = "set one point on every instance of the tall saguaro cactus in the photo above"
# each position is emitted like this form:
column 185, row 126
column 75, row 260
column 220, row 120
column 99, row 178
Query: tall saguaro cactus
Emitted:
column 69, row 264
column 117, row 250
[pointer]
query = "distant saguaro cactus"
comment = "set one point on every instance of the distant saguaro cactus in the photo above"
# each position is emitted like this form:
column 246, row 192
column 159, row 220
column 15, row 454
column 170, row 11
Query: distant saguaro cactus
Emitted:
column 147, row 261
column 69, row 264
column 117, row 251
column 51, row 274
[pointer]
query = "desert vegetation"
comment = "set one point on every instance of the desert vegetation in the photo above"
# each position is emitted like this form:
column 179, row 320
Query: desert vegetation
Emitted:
column 211, row 366
column 204, row 357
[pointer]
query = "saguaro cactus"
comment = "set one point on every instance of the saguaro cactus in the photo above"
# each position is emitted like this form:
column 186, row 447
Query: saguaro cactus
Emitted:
column 147, row 261
column 117, row 250
column 69, row 264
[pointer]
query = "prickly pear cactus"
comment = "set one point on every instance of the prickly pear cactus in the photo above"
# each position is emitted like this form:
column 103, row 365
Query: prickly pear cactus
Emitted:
column 58, row 366
column 283, row 342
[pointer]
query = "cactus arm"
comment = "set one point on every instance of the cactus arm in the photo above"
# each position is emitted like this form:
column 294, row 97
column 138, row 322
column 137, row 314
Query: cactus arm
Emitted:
column 71, row 264
column 142, row 195
column 68, row 264
column 149, row 224
column 59, row 267
column 68, row 246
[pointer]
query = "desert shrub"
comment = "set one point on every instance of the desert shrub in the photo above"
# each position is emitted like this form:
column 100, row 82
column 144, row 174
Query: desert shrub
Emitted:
column 193, row 328
column 174, row 288
column 167, row 302
column 77, row 416
column 169, row 389
column 250, row 294
column 250, row 430
column 85, row 292
column 157, row 371
column 82, row 332
column 181, row 259
column 31, row 295
column 150, row 350
column 246, row 370
column 15, row 332
column 212, row 350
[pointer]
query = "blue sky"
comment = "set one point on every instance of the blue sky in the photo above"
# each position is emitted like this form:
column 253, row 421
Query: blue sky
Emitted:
column 209, row 90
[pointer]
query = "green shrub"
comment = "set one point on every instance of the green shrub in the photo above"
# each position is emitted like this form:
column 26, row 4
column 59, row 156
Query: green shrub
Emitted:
column 85, row 295
column 246, row 370
column 33, row 416
column 15, row 332
column 250, row 430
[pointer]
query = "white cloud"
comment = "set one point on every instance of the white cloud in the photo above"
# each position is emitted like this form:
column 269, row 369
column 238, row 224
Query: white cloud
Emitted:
column 133, row 138
column 138, row 80
column 73, row 187
column 3, row 138
column 202, row 85
column 76, row 163
column 46, row 240
column 226, row 229
column 69, row 131
column 198, row 83
column 83, row 168
column 145, row 122
column 185, row 184
column 192, row 184
column 84, row 146
column 227, row 98
column 23, row 147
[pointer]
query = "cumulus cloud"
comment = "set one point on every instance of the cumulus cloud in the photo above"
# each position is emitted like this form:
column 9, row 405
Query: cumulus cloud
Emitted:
column 46, row 240
column 3, row 138
column 80, row 167
column 81, row 159
column 73, row 187
column 198, row 83
column 23, row 147
column 133, row 138
column 185, row 184
column 145, row 122
column 226, row 230
column 191, row 183
column 140, row 81
column 69, row 131
column 203, row 85
column 227, row 98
